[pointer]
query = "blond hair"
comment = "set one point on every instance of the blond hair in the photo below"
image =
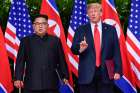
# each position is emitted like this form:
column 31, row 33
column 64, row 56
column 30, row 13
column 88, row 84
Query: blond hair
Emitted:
column 95, row 5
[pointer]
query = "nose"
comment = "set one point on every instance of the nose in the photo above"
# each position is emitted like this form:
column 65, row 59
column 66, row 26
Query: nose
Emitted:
column 40, row 25
column 92, row 14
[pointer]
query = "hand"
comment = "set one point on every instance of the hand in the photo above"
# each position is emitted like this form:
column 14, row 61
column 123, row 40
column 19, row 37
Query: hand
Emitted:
column 83, row 45
column 18, row 84
column 116, row 76
column 65, row 81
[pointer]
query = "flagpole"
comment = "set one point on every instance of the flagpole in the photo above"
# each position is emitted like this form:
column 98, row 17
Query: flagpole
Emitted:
column 19, row 90
column 11, row 1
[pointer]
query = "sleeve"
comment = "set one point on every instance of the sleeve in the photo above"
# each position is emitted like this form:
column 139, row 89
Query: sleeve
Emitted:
column 20, row 62
column 63, row 68
column 76, row 42
column 117, row 54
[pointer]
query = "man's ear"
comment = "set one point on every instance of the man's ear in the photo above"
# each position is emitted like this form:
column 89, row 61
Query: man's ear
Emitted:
column 47, row 26
column 101, row 14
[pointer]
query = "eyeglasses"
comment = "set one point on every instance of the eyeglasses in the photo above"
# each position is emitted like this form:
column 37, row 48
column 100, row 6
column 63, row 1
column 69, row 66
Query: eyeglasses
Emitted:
column 38, row 23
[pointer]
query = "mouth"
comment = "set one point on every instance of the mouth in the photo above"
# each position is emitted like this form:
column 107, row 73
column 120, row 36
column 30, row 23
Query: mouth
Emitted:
column 40, row 30
column 93, row 17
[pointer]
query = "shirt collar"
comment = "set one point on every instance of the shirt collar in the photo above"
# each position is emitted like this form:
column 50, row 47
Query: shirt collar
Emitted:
column 98, row 23
column 45, row 36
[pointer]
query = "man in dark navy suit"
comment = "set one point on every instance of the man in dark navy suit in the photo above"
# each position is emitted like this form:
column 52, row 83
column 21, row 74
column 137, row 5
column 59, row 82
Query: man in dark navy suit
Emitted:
column 43, row 55
column 96, row 43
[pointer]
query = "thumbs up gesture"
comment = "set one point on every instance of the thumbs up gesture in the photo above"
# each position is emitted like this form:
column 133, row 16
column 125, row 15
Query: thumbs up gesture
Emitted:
column 83, row 45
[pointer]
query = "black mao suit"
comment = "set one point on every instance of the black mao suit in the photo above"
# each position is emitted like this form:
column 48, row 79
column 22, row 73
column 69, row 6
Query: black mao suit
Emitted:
column 42, row 57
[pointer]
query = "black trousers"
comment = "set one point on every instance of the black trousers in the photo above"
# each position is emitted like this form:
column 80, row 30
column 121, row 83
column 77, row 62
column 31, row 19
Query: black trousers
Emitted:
column 40, row 91
column 97, row 86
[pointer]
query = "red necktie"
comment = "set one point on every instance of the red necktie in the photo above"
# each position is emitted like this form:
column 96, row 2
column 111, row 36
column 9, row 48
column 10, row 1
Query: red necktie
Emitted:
column 97, row 45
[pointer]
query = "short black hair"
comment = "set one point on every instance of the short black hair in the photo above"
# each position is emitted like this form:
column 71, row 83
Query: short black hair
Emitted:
column 40, row 15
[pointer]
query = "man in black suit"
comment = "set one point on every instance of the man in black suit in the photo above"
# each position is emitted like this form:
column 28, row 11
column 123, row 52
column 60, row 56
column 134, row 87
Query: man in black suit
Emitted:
column 43, row 55
column 96, row 43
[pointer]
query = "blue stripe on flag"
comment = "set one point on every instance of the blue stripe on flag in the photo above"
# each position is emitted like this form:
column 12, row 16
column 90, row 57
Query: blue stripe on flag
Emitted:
column 64, row 88
column 124, row 86
column 112, row 3
column 1, row 90
column 52, row 2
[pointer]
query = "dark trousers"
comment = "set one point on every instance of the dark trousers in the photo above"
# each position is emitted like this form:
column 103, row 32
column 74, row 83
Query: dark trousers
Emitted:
column 40, row 91
column 97, row 86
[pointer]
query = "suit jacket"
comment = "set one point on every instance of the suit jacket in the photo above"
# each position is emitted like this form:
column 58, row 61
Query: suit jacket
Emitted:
column 42, row 56
column 87, row 59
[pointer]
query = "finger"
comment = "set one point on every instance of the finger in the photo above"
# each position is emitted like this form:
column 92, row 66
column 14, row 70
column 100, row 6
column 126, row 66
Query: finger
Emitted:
column 17, row 84
column 83, row 43
column 21, row 84
column 116, row 77
column 66, row 81
column 84, row 38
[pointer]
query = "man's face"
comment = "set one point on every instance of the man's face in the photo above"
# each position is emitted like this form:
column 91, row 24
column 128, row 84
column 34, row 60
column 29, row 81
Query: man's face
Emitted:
column 40, row 26
column 94, row 14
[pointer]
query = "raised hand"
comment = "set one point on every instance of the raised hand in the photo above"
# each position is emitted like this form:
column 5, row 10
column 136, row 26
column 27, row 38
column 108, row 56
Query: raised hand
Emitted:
column 83, row 45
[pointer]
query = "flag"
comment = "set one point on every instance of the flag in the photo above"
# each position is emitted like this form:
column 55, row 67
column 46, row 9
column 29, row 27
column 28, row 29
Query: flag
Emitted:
column 6, row 85
column 133, row 40
column 49, row 8
column 110, row 16
column 65, row 88
column 19, row 25
column 78, row 17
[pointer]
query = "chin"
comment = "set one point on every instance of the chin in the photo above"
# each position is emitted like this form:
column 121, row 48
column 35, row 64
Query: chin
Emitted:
column 41, row 32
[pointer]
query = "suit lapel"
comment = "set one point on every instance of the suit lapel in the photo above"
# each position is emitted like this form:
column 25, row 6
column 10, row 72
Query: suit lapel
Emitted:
column 90, row 36
column 104, row 28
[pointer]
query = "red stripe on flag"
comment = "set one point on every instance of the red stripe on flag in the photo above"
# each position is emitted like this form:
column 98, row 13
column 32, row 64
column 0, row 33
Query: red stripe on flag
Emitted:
column 137, row 81
column 131, row 43
column 11, row 55
column 132, row 59
column 9, row 42
column 74, row 70
column 10, row 32
column 75, row 57
column 70, row 37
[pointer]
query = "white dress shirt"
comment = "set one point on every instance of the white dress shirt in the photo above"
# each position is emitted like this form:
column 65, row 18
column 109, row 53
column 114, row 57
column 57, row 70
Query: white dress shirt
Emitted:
column 99, row 29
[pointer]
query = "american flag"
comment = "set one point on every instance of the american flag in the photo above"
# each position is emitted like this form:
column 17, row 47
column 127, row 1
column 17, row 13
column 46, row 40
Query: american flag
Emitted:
column 78, row 17
column 19, row 25
column 110, row 16
column 133, row 40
